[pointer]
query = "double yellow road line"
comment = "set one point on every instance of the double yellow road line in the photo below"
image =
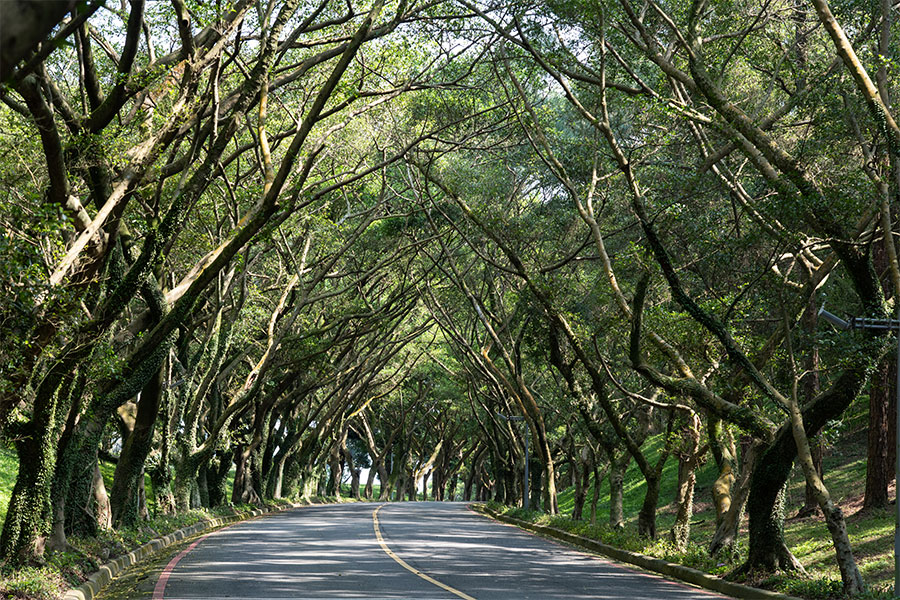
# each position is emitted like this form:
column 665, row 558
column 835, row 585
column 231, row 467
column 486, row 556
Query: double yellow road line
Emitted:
column 406, row 565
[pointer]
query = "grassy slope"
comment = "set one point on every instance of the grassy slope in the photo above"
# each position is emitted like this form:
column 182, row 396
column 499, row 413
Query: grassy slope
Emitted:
column 9, row 468
column 845, row 472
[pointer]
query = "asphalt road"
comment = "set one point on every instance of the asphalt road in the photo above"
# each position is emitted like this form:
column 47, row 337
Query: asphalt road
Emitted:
column 334, row 551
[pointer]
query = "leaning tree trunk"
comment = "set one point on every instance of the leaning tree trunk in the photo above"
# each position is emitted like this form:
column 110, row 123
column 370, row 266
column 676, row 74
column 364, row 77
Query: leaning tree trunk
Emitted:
column 653, row 477
column 767, row 548
column 29, row 510
column 130, row 467
column 809, row 383
column 728, row 526
column 78, row 459
column 810, row 495
column 834, row 518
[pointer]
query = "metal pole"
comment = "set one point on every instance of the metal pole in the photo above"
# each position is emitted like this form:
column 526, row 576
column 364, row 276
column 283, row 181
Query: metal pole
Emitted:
column 525, row 486
column 897, row 473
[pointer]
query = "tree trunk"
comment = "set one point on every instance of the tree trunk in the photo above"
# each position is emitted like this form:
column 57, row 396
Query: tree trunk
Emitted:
column 450, row 494
column 595, row 497
column 767, row 548
column 722, row 490
column 647, row 514
column 278, row 488
column 130, row 467
column 689, row 456
column 809, row 384
column 370, row 483
column 384, row 478
column 354, row 472
column 582, row 482
column 470, row 486
column 879, row 467
column 850, row 575
column 617, row 490
column 24, row 527
column 216, row 479
column 240, row 476
column 29, row 508
column 101, row 499
column 401, row 485
column 687, row 478
column 77, row 462
column 537, row 485
column 203, row 485
column 728, row 527
column 810, row 503
column 425, row 479
column 336, row 472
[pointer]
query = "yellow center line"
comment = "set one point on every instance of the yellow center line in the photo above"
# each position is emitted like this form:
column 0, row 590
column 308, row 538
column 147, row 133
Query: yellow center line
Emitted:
column 406, row 565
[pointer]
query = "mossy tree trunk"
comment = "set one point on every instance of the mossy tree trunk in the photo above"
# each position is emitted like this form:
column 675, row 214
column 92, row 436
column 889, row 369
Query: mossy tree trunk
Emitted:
column 768, row 550
column 217, row 479
column 618, row 467
column 728, row 525
column 689, row 456
column 28, row 514
column 81, row 455
column 130, row 467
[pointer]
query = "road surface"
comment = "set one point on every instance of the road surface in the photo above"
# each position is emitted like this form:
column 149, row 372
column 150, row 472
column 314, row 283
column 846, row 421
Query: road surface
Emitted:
column 428, row 550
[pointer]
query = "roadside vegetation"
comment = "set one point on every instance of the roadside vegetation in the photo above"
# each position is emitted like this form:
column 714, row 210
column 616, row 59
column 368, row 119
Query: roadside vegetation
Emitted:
column 871, row 531
column 62, row 570
column 248, row 258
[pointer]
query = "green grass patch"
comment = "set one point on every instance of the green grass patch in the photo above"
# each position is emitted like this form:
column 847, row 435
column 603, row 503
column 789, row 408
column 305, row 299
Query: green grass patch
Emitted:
column 9, row 468
column 37, row 583
column 845, row 470
column 71, row 568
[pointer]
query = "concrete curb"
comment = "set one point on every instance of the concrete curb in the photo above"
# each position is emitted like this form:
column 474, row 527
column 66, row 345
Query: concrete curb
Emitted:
column 98, row 580
column 649, row 563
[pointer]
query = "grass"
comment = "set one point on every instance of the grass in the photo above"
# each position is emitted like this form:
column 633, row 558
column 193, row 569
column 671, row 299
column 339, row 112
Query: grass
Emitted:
column 845, row 470
column 9, row 468
column 845, row 465
column 70, row 568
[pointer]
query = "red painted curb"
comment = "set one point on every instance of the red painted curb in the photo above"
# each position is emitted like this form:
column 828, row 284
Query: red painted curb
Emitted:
column 160, row 588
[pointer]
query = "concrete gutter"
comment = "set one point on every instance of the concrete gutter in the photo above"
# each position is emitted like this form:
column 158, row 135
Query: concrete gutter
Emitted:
column 649, row 563
column 98, row 580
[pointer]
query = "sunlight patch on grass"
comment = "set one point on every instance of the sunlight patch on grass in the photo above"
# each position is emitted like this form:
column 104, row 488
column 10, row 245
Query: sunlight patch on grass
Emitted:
column 9, row 468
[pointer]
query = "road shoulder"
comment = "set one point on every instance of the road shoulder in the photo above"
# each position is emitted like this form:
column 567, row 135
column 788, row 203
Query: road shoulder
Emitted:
column 649, row 563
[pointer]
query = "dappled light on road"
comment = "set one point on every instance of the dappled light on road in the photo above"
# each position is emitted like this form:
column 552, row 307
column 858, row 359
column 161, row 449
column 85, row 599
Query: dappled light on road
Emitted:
column 332, row 552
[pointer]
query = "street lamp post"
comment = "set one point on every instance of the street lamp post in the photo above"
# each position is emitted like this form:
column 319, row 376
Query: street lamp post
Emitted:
column 525, row 499
column 881, row 325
